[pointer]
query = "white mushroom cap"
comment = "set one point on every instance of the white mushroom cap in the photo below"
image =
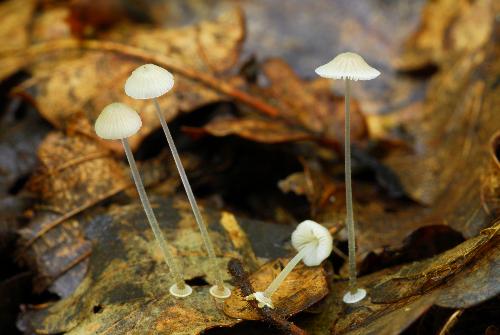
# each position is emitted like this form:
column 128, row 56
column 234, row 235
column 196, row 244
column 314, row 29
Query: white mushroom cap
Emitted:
column 316, row 238
column 347, row 65
column 117, row 121
column 148, row 81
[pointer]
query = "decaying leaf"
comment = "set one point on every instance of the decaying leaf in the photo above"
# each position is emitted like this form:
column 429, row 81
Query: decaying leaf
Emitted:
column 74, row 169
column 85, row 82
column 449, row 166
column 448, row 27
column 451, row 155
column 303, row 287
column 16, row 16
column 137, row 300
column 76, row 173
column 438, row 133
column 418, row 278
column 400, row 295
column 260, row 130
column 306, row 111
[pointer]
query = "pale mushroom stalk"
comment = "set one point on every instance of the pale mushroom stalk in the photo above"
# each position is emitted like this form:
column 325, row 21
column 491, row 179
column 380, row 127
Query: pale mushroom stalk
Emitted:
column 150, row 81
column 220, row 289
column 273, row 287
column 117, row 121
column 349, row 66
column 169, row 259
column 314, row 244
column 351, row 238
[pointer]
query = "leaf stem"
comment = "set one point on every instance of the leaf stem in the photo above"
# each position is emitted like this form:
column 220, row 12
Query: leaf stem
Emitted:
column 169, row 259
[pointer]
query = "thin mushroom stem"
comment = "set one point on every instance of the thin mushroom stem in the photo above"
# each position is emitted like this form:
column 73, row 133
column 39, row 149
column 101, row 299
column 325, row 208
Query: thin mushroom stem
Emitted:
column 273, row 287
column 169, row 259
column 221, row 289
column 348, row 195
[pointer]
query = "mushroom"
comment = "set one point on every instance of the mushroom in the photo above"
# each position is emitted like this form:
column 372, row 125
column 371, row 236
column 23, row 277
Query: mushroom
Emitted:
column 150, row 81
column 118, row 121
column 314, row 244
column 349, row 66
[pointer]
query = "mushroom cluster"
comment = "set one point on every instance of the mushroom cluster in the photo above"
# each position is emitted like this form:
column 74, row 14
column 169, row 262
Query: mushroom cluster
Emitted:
column 312, row 241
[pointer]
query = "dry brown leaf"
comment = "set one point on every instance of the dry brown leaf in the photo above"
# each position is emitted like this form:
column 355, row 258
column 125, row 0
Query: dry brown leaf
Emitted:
column 76, row 173
column 89, row 80
column 16, row 16
column 398, row 296
column 260, row 130
column 306, row 110
column 303, row 287
column 448, row 27
column 451, row 167
column 451, row 154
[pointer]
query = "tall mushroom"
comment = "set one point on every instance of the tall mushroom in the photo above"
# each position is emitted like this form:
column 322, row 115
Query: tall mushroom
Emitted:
column 313, row 243
column 150, row 81
column 118, row 121
column 349, row 66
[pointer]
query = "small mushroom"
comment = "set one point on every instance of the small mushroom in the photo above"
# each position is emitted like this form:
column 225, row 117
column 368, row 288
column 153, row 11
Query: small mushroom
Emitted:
column 349, row 66
column 314, row 244
column 118, row 121
column 150, row 81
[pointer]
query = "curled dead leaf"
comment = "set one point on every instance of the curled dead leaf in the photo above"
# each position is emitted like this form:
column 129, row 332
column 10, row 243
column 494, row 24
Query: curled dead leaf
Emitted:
column 260, row 130
column 84, row 82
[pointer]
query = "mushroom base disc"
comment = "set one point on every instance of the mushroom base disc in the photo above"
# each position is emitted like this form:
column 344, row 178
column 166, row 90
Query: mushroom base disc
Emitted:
column 223, row 293
column 352, row 298
column 177, row 292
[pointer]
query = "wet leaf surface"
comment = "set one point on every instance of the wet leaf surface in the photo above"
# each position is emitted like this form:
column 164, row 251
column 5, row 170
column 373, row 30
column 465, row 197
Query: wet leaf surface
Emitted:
column 137, row 300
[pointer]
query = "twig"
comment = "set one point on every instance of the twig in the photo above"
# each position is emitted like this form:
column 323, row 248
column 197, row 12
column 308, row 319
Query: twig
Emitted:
column 270, row 316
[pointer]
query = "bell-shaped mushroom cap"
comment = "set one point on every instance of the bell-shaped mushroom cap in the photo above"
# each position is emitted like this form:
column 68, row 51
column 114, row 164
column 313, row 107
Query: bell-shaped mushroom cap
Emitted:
column 149, row 81
column 347, row 65
column 316, row 238
column 117, row 121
